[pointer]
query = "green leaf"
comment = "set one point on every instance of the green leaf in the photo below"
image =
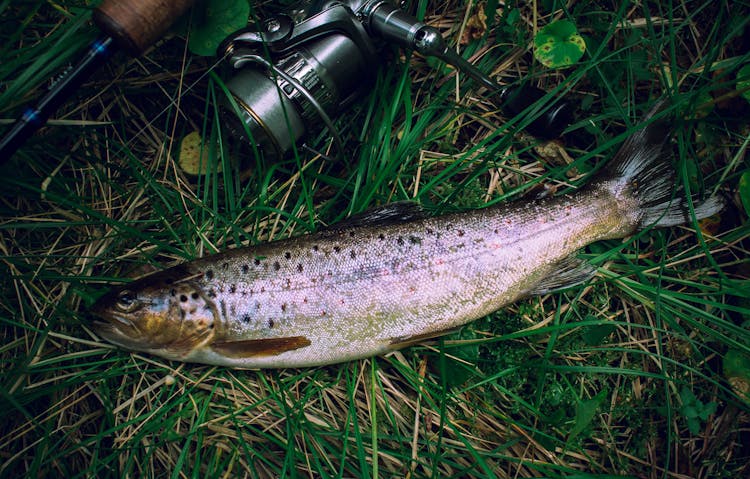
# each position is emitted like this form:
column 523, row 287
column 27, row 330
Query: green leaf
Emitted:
column 693, row 409
column 744, row 190
column 513, row 16
column 595, row 335
column 558, row 44
column 694, row 425
column 585, row 412
column 459, row 366
column 707, row 410
column 217, row 21
column 690, row 412
column 743, row 82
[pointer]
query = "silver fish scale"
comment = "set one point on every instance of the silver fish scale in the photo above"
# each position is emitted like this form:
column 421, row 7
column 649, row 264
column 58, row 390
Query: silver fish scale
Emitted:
column 354, row 292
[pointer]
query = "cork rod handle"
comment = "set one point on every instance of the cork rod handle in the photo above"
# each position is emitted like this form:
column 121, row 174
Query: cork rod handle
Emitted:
column 136, row 24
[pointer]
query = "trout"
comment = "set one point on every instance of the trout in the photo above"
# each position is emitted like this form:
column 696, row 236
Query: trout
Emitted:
column 390, row 277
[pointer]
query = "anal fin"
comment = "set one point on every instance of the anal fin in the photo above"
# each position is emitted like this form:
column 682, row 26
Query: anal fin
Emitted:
column 248, row 348
column 567, row 273
column 404, row 341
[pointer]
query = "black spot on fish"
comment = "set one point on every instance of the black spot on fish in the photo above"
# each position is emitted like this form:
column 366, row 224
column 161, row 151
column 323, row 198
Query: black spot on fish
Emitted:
column 381, row 236
column 337, row 249
column 246, row 318
column 183, row 298
column 460, row 233
column 270, row 324
column 353, row 254
column 210, row 274
column 211, row 293
column 245, row 268
column 351, row 234
column 430, row 231
column 315, row 247
column 400, row 240
column 257, row 306
column 256, row 261
column 288, row 255
column 233, row 288
column 262, row 289
column 497, row 232
column 276, row 266
column 195, row 295
column 173, row 292
column 193, row 310
column 283, row 307
column 223, row 306
column 224, row 266
column 415, row 240
column 299, row 267
column 323, row 313
column 182, row 314
column 304, row 300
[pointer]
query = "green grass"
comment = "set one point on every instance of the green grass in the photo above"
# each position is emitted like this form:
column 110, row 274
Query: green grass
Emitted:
column 606, row 380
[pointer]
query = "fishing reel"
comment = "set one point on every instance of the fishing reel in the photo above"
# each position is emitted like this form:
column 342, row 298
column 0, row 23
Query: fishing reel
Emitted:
column 291, row 72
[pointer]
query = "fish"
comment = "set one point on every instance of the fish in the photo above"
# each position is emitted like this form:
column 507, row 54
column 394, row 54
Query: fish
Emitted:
column 392, row 276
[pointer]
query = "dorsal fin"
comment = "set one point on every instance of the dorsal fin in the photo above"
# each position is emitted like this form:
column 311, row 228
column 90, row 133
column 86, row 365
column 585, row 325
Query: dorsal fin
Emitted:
column 392, row 213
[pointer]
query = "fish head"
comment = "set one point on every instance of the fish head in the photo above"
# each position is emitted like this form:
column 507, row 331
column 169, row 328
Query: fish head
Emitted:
column 158, row 314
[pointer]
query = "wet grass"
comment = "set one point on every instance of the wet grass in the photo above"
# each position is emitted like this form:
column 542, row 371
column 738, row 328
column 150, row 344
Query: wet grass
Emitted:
column 621, row 377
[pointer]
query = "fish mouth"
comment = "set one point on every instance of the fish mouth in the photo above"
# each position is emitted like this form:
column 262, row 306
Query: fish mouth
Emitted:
column 112, row 334
column 116, row 329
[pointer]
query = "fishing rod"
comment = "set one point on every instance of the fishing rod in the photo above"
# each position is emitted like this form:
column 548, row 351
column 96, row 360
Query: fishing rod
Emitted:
column 128, row 25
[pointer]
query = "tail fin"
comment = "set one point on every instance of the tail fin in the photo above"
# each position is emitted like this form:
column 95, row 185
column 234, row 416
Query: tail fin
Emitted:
column 640, row 172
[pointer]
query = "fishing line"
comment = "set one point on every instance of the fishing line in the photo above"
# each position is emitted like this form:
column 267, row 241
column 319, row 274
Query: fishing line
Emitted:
column 173, row 101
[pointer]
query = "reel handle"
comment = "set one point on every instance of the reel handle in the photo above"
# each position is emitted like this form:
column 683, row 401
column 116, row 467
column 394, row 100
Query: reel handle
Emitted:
column 136, row 24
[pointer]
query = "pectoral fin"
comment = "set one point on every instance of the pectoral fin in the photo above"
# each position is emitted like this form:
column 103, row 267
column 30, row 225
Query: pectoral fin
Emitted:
column 249, row 348
column 569, row 272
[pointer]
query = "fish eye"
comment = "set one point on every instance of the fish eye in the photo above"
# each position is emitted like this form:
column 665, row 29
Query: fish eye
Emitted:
column 126, row 301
